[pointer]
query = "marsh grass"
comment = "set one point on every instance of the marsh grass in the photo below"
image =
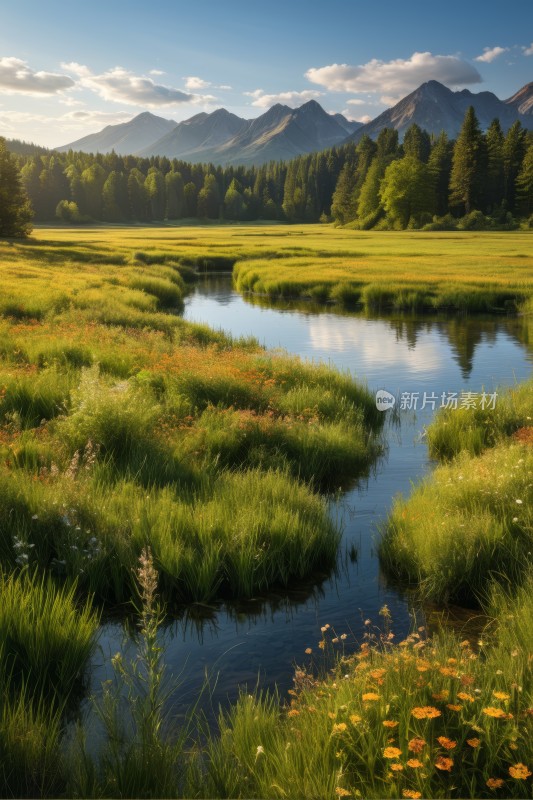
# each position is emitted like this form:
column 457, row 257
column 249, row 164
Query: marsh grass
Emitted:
column 465, row 526
column 473, row 430
column 46, row 637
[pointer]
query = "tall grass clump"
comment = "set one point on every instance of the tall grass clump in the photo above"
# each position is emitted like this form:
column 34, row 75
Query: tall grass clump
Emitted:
column 45, row 637
column 472, row 430
column 31, row 763
column 426, row 718
column 468, row 524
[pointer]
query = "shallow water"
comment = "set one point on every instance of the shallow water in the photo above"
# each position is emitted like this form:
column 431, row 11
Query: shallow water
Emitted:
column 262, row 639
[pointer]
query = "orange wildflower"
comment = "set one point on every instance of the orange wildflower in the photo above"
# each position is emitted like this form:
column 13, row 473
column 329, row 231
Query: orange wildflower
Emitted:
column 465, row 696
column 497, row 713
column 416, row 745
column 392, row 752
column 340, row 727
column 396, row 767
column 308, row 650
column 448, row 744
column 414, row 763
column 473, row 742
column 377, row 673
column 501, row 695
column 370, row 696
column 293, row 713
column 495, row 783
column 441, row 695
column 355, row 718
column 453, row 707
column 449, row 672
column 467, row 680
column 411, row 794
column 390, row 723
column 443, row 763
column 340, row 792
column 425, row 712
column 519, row 772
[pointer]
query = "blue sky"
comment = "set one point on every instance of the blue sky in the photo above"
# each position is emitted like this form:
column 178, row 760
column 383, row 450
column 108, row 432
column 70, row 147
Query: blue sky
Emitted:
column 69, row 68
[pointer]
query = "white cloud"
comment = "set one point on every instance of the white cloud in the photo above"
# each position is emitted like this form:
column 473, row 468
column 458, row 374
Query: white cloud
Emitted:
column 365, row 118
column 528, row 51
column 156, row 72
column 225, row 87
column 356, row 101
column 16, row 77
column 490, row 54
column 292, row 99
column 193, row 82
column 121, row 86
column 396, row 77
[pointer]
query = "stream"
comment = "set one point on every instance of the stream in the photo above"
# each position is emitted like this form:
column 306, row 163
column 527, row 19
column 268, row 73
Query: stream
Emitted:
column 261, row 640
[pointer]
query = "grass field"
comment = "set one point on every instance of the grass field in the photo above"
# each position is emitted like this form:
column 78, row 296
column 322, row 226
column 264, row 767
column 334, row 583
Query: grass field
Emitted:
column 473, row 271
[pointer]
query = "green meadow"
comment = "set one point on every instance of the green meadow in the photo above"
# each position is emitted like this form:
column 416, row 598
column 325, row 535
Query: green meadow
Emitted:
column 148, row 460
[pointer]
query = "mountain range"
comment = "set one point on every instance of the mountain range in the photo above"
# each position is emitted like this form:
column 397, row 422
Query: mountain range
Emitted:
column 282, row 133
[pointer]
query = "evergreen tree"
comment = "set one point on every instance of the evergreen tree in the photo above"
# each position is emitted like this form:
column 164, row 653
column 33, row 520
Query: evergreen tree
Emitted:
column 174, row 195
column 416, row 143
column 209, row 198
column 468, row 165
column 495, row 186
column 15, row 211
column 514, row 148
column 524, row 184
column 344, row 202
column 440, row 165
column 155, row 187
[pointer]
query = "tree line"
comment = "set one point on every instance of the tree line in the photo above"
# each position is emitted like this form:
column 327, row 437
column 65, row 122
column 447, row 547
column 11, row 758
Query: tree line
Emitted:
column 478, row 180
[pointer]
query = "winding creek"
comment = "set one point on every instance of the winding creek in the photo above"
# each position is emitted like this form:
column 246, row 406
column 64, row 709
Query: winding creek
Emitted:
column 264, row 638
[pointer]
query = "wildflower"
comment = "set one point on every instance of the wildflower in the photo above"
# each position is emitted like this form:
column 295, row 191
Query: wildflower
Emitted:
column 390, row 723
column 308, row 650
column 501, row 695
column 370, row 696
column 340, row 727
column 260, row 750
column 344, row 636
column 495, row 783
column 425, row 712
column 293, row 713
column 416, row 745
column 322, row 644
column 519, row 772
column 391, row 752
column 324, row 628
column 355, row 719
column 414, row 763
column 453, row 707
column 411, row 793
column 449, row 672
column 519, row 502
column 448, row 744
column 465, row 696
column 396, row 767
column 440, row 695
column 473, row 742
column 340, row 792
column 443, row 763
column 467, row 680
column 497, row 713
column 377, row 673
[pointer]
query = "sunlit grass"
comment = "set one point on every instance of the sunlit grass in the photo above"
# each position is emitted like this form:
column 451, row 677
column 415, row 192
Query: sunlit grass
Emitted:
column 468, row 524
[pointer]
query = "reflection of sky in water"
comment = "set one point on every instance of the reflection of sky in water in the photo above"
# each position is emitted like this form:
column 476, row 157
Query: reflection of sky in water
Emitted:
column 433, row 355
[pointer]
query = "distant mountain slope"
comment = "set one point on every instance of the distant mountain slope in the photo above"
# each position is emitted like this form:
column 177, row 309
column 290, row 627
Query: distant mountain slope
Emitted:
column 200, row 134
column 280, row 133
column 25, row 148
column 349, row 125
column 126, row 138
column 523, row 99
column 435, row 108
